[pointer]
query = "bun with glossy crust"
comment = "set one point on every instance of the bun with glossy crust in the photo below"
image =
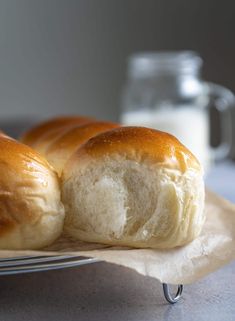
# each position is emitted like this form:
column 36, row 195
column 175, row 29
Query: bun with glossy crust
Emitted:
column 61, row 149
column 133, row 186
column 31, row 212
column 40, row 136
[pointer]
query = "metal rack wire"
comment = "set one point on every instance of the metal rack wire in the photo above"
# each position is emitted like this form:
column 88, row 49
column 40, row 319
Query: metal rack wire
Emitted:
column 28, row 264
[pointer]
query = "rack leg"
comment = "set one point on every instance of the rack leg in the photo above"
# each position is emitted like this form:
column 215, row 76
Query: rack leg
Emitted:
column 172, row 299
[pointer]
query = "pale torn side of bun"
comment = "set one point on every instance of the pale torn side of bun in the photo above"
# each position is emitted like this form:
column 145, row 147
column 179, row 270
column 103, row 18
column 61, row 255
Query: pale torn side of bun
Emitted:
column 61, row 149
column 43, row 134
column 31, row 212
column 134, row 186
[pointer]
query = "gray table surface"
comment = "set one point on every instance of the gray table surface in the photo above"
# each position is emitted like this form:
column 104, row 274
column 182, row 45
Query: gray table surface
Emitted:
column 104, row 291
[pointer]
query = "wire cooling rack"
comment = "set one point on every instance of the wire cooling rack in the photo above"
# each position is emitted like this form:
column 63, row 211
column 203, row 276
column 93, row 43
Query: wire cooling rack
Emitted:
column 28, row 264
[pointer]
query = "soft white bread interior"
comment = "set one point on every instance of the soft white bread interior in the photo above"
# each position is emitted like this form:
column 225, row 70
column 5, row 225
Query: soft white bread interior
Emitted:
column 31, row 212
column 61, row 149
column 136, row 187
column 42, row 135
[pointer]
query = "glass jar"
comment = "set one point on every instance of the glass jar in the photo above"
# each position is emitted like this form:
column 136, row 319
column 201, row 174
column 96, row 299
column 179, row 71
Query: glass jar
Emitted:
column 165, row 91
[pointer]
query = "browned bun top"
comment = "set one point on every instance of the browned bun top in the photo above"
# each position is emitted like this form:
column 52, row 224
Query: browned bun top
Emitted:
column 61, row 149
column 54, row 124
column 140, row 144
column 75, row 136
column 19, row 157
column 24, row 175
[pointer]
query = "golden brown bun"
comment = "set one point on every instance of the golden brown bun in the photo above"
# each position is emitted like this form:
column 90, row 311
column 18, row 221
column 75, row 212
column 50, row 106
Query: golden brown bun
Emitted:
column 141, row 142
column 40, row 136
column 133, row 186
column 31, row 213
column 66, row 144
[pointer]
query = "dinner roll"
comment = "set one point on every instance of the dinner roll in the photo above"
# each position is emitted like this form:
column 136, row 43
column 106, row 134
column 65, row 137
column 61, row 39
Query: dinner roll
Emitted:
column 66, row 144
column 31, row 212
column 133, row 186
column 40, row 136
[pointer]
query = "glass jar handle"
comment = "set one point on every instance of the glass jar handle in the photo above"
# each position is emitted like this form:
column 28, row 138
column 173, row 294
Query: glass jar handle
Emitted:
column 223, row 100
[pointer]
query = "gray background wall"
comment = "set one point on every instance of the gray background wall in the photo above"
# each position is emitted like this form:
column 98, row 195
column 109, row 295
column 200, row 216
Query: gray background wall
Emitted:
column 67, row 56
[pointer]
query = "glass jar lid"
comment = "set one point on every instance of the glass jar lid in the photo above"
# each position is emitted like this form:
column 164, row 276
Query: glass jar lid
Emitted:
column 163, row 62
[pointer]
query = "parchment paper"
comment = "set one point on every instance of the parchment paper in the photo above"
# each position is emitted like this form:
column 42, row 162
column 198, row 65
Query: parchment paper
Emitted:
column 214, row 248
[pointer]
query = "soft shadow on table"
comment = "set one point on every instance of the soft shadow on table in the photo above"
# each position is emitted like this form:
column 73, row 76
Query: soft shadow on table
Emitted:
column 95, row 292
column 107, row 292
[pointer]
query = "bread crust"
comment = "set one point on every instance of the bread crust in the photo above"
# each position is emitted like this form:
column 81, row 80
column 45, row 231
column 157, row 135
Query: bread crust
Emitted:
column 61, row 149
column 139, row 143
column 29, row 196
column 33, row 135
